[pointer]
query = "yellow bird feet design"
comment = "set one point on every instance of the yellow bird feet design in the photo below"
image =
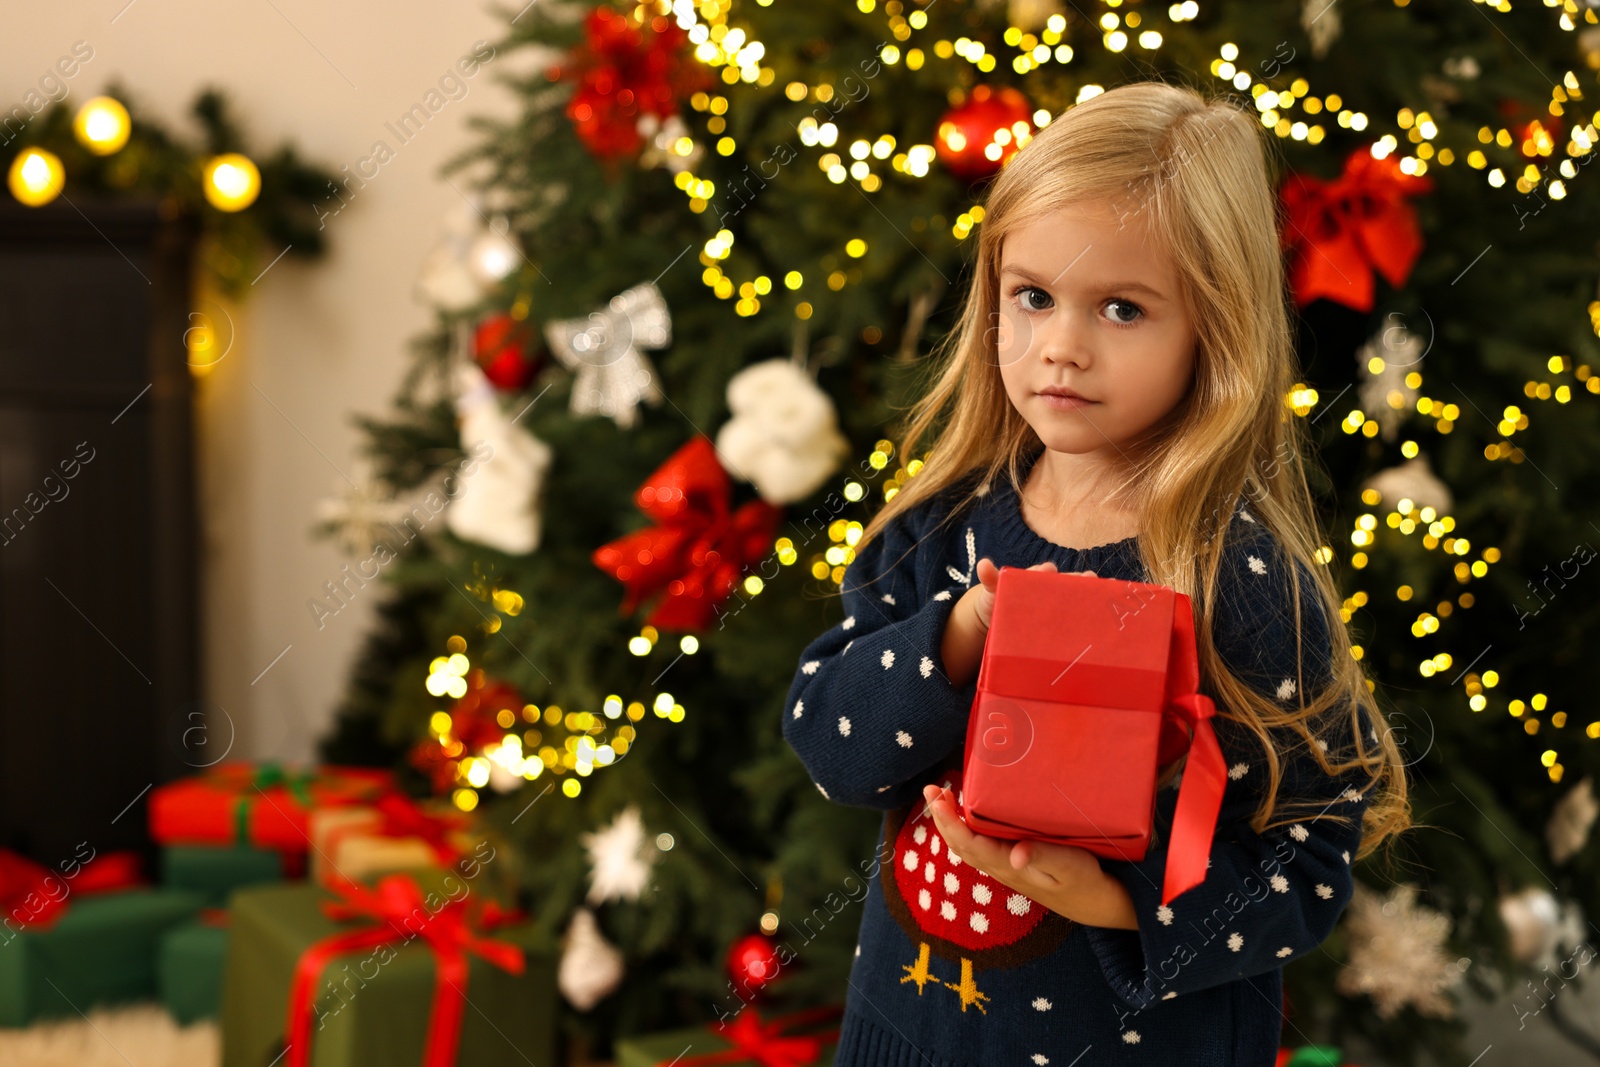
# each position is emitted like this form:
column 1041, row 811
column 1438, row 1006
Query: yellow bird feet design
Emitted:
column 918, row 972
column 966, row 987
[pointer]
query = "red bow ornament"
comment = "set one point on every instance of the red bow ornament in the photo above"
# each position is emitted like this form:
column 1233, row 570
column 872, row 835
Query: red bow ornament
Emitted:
column 697, row 548
column 624, row 71
column 401, row 912
column 1340, row 231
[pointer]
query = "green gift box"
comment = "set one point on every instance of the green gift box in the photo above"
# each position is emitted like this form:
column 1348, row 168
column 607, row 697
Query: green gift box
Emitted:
column 215, row 871
column 685, row 1048
column 189, row 970
column 374, row 1005
column 102, row 950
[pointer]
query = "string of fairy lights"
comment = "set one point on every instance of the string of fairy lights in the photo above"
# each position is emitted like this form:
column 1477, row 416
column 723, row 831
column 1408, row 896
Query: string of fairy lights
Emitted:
column 230, row 180
column 571, row 744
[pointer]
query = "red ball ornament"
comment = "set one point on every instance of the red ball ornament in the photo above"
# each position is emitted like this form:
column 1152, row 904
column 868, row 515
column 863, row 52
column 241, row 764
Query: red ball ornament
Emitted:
column 978, row 136
column 1535, row 132
column 500, row 345
column 753, row 961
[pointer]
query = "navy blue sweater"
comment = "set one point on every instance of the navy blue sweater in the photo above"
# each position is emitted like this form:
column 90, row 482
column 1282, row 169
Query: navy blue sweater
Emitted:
column 873, row 718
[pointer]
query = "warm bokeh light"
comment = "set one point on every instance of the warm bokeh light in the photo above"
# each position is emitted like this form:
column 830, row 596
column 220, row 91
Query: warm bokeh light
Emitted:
column 232, row 182
column 36, row 177
column 102, row 125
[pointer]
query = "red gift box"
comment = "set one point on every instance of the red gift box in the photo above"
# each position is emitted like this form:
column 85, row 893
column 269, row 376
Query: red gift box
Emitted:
column 259, row 804
column 1088, row 687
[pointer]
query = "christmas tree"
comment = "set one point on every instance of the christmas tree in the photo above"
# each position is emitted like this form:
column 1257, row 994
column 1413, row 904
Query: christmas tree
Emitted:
column 695, row 283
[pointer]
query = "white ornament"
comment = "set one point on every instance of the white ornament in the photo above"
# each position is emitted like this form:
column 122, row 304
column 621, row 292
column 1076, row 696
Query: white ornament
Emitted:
column 664, row 141
column 1415, row 481
column 784, row 434
column 619, row 858
column 1398, row 954
column 1385, row 394
column 604, row 351
column 447, row 280
column 1530, row 917
column 1571, row 820
column 497, row 503
column 495, row 253
column 1320, row 20
column 591, row 967
column 363, row 514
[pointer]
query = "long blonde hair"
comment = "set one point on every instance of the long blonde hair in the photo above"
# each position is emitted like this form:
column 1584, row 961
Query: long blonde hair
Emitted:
column 1200, row 169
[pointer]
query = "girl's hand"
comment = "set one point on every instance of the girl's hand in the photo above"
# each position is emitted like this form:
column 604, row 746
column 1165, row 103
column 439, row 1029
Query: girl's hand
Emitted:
column 989, row 575
column 967, row 629
column 1067, row 880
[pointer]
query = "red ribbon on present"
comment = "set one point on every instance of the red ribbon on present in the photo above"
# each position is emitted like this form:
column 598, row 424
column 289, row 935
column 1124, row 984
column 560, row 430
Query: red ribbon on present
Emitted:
column 754, row 1041
column 402, row 817
column 697, row 549
column 28, row 899
column 1340, row 231
column 449, row 934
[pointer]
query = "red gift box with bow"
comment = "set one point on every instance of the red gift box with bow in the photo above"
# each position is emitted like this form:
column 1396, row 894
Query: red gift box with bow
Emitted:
column 1088, row 686
column 261, row 804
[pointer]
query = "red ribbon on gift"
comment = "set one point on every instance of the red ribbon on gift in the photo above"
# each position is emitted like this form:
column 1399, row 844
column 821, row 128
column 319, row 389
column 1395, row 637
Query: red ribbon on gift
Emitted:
column 402, row 817
column 1340, row 231
column 697, row 549
column 754, row 1041
column 28, row 897
column 400, row 910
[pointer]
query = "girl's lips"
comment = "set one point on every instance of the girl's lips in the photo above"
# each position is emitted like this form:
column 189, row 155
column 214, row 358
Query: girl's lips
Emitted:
column 1065, row 403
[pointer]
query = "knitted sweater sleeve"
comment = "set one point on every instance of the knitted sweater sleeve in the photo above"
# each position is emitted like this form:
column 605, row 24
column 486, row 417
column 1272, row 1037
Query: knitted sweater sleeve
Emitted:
column 1267, row 898
column 870, row 708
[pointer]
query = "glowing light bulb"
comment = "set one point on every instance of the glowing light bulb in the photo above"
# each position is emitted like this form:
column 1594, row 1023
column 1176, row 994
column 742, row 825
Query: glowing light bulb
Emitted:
column 102, row 125
column 232, row 182
column 36, row 177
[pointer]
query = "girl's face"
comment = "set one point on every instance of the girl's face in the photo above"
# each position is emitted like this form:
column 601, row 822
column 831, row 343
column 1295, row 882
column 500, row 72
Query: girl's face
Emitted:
column 1089, row 302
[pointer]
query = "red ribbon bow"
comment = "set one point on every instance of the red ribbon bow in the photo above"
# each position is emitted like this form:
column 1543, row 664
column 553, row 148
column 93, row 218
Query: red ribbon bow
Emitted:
column 625, row 70
column 400, row 910
column 33, row 895
column 1340, row 231
column 764, row 1042
column 403, row 818
column 697, row 549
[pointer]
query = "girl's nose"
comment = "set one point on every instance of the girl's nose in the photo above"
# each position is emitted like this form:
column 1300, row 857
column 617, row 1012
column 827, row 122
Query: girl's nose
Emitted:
column 1063, row 342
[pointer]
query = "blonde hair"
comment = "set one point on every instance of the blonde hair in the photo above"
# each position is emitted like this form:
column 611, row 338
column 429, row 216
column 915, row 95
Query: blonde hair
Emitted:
column 1199, row 169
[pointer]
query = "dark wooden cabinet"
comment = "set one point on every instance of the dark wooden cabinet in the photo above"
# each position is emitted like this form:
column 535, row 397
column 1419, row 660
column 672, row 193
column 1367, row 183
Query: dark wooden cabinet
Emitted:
column 99, row 627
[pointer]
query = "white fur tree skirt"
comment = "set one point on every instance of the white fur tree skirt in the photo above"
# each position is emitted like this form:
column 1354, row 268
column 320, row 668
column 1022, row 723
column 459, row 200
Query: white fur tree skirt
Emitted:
column 139, row 1035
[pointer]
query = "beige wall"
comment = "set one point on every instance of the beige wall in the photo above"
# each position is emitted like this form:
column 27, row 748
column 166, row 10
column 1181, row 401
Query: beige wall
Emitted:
column 319, row 340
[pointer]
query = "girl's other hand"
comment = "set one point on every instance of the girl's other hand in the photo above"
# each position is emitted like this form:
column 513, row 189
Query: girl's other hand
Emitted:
column 989, row 576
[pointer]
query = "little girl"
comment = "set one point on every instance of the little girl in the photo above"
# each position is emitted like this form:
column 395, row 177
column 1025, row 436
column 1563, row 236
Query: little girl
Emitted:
column 1112, row 401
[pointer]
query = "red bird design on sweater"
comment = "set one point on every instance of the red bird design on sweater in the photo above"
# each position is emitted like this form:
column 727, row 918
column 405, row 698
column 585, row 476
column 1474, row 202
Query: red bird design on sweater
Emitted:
column 957, row 911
